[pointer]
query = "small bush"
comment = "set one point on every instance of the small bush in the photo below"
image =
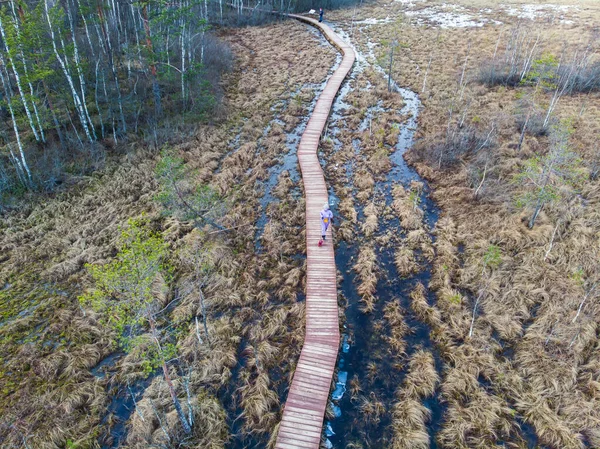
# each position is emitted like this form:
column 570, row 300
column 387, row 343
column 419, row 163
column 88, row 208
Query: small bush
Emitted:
column 497, row 73
column 535, row 125
column 447, row 151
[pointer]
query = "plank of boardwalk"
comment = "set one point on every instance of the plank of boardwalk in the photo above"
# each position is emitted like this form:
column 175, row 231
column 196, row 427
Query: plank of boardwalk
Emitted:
column 304, row 410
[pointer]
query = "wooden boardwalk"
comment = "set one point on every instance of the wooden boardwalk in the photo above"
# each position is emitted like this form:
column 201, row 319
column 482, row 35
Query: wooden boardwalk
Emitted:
column 302, row 421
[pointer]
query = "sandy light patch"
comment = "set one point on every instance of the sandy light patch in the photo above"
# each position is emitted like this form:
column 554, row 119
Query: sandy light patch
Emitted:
column 374, row 21
column 409, row 2
column 545, row 10
column 449, row 16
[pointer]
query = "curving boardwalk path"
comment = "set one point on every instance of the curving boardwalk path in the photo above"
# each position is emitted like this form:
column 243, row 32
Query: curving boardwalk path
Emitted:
column 302, row 421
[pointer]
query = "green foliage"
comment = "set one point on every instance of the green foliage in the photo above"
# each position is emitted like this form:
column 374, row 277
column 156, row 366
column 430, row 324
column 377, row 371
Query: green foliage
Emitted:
column 297, row 99
column 578, row 276
column 543, row 71
column 534, row 169
column 547, row 178
column 492, row 257
column 150, row 355
column 123, row 291
column 455, row 299
column 72, row 445
column 414, row 197
column 179, row 197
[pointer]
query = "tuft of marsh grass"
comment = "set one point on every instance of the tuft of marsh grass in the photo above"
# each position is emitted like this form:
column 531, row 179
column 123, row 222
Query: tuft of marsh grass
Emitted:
column 366, row 271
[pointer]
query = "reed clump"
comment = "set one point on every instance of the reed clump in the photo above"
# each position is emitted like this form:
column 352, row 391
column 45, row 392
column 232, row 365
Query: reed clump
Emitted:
column 366, row 272
column 409, row 415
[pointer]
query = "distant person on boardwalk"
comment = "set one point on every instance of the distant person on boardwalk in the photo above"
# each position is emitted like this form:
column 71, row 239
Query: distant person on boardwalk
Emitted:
column 326, row 219
column 320, row 14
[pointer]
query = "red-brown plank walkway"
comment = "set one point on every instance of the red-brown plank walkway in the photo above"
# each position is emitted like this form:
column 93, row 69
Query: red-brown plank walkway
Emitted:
column 302, row 420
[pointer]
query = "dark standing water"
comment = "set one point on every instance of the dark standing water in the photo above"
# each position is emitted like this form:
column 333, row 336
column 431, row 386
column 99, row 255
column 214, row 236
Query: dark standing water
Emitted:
column 121, row 407
column 365, row 356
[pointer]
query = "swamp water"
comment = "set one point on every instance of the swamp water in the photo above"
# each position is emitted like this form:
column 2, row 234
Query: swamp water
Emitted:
column 362, row 417
column 366, row 359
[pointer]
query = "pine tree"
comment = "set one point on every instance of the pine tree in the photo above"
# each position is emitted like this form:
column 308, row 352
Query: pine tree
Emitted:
column 125, row 293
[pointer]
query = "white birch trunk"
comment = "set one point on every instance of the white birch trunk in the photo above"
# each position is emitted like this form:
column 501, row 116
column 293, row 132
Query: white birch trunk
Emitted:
column 425, row 76
column 497, row 44
column 462, row 76
column 18, row 80
column 591, row 290
column 102, row 44
column 482, row 180
column 558, row 93
column 474, row 313
column 183, row 61
column 87, row 31
column 137, row 36
column 97, row 102
column 63, row 65
column 82, row 84
column 115, row 76
column 552, row 240
column 22, row 162
column 35, row 109
column 529, row 59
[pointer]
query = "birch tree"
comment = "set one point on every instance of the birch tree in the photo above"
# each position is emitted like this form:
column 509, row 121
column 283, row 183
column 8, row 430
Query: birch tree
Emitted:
column 20, row 161
column 10, row 54
column 63, row 64
column 198, row 259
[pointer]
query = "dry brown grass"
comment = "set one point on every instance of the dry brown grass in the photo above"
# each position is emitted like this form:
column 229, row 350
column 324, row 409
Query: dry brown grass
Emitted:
column 371, row 408
column 366, row 272
column 533, row 300
column 407, row 208
column 394, row 316
column 410, row 416
column 405, row 261
column 45, row 246
column 369, row 226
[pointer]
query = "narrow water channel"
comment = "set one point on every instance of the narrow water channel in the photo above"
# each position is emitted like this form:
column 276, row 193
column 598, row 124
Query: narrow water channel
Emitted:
column 366, row 363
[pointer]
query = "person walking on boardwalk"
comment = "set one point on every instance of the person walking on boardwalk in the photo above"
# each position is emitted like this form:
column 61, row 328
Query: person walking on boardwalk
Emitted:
column 326, row 219
column 320, row 14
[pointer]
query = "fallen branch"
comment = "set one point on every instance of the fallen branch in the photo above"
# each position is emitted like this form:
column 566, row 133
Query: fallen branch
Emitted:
column 229, row 229
column 552, row 240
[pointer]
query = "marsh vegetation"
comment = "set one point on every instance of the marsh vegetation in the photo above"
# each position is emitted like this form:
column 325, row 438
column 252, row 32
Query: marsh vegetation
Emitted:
column 205, row 362
column 468, row 244
column 509, row 269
